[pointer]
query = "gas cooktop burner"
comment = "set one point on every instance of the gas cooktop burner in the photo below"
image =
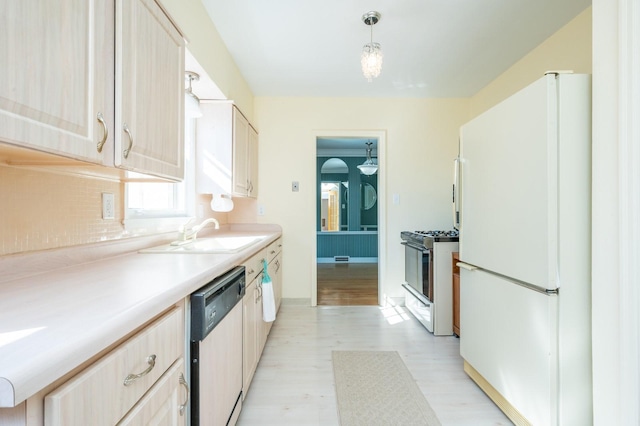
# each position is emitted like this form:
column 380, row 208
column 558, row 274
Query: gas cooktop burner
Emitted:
column 452, row 233
column 427, row 238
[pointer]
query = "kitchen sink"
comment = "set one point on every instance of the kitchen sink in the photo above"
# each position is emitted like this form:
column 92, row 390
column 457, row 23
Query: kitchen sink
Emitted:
column 214, row 245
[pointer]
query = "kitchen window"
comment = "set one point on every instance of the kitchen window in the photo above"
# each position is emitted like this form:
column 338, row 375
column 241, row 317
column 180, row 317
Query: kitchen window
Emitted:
column 152, row 207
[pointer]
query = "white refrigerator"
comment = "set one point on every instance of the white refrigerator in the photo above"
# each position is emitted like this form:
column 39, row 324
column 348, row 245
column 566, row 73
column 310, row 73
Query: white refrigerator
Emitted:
column 525, row 247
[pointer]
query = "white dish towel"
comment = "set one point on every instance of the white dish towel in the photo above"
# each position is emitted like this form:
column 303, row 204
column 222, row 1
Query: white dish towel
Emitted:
column 268, row 299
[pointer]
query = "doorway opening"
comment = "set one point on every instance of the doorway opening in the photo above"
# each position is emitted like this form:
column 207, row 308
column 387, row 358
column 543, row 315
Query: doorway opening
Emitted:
column 348, row 221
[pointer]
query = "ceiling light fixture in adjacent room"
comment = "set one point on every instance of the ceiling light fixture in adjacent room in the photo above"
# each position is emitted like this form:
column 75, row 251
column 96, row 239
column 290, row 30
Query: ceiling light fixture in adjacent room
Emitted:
column 371, row 58
column 191, row 101
column 368, row 167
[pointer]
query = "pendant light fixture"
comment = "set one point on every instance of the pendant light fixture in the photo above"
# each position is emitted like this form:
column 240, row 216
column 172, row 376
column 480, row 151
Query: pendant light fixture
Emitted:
column 368, row 167
column 191, row 101
column 371, row 58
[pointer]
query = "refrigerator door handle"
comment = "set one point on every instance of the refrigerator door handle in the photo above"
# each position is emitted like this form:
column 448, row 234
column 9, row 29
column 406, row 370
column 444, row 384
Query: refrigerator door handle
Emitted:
column 466, row 266
column 456, row 193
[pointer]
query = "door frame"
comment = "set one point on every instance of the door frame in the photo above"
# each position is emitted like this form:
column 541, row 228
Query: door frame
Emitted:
column 380, row 135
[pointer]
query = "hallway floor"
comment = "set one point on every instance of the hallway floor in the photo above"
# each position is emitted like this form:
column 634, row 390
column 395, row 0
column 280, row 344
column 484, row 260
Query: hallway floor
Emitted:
column 347, row 284
column 294, row 384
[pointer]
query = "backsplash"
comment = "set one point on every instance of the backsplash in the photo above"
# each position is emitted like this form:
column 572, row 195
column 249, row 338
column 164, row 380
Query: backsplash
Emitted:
column 42, row 209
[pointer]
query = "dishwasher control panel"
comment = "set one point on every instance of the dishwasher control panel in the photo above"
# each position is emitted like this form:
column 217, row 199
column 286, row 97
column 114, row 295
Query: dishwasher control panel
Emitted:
column 211, row 303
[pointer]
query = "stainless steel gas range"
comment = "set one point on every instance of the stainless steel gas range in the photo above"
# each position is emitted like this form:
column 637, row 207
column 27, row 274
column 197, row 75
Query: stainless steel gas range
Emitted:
column 428, row 278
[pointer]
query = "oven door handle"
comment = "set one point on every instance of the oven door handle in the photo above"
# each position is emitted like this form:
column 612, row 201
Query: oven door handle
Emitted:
column 415, row 246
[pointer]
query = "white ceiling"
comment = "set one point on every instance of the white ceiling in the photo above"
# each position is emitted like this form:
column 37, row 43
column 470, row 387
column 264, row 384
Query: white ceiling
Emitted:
column 432, row 48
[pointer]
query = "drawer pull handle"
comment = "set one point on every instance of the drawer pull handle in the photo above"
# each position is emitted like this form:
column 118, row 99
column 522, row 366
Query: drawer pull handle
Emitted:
column 151, row 360
column 183, row 382
column 105, row 132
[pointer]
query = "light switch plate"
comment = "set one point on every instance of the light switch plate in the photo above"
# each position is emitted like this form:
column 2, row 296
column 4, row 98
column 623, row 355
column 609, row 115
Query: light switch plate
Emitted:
column 108, row 206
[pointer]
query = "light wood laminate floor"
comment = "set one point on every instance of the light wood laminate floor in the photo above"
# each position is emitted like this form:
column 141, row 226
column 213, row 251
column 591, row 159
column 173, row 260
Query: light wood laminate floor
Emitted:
column 294, row 385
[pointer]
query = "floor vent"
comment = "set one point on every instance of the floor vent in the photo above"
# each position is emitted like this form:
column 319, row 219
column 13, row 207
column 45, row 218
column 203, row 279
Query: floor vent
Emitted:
column 341, row 258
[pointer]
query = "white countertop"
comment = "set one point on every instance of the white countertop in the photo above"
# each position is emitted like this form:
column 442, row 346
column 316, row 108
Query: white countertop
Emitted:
column 55, row 320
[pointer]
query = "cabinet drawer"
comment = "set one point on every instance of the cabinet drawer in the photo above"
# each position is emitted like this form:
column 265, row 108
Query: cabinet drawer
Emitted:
column 165, row 403
column 253, row 266
column 273, row 249
column 99, row 396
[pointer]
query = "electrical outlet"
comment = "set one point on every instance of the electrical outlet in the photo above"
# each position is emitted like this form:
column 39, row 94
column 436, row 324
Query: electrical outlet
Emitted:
column 108, row 206
column 260, row 210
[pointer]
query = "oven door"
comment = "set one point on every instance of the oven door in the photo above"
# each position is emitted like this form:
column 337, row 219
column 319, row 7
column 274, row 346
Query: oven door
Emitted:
column 419, row 283
column 418, row 271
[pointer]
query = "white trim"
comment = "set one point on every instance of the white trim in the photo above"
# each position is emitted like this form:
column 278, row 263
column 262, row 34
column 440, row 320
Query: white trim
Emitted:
column 616, row 208
column 629, row 208
column 381, row 135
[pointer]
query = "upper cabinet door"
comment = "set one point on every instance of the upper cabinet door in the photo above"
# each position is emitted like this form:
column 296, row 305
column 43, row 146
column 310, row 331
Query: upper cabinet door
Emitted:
column 252, row 163
column 241, row 183
column 56, row 84
column 149, row 135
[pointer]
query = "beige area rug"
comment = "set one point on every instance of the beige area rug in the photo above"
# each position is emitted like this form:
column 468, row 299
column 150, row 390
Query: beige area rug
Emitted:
column 376, row 388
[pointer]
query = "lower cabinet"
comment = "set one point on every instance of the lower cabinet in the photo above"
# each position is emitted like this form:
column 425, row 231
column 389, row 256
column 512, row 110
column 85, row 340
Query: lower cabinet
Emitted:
column 250, row 338
column 254, row 334
column 165, row 403
column 276, row 276
column 142, row 379
column 274, row 253
column 256, row 330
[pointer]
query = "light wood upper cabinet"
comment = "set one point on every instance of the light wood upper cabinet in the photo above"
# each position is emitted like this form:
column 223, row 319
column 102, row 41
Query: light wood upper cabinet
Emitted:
column 101, row 81
column 57, row 84
column 149, row 135
column 227, row 151
column 252, row 163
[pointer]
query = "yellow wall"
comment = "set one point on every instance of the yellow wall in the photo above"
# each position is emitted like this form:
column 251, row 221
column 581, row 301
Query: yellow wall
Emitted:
column 568, row 49
column 421, row 143
column 207, row 47
column 42, row 210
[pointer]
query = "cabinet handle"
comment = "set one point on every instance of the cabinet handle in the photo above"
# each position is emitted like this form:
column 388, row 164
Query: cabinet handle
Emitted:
column 184, row 383
column 128, row 150
column 151, row 360
column 105, row 132
column 277, row 266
